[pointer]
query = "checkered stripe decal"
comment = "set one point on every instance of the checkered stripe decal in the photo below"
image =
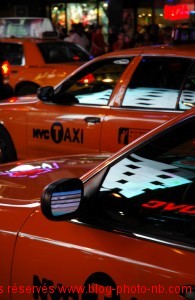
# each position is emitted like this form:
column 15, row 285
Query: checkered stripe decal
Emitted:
column 134, row 175
column 151, row 98
column 187, row 97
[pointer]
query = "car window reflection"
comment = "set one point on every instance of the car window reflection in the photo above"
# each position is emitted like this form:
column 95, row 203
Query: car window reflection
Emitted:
column 95, row 84
column 151, row 191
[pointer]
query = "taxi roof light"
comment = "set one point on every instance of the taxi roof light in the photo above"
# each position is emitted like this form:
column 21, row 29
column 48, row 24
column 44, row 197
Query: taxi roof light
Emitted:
column 50, row 35
column 23, row 27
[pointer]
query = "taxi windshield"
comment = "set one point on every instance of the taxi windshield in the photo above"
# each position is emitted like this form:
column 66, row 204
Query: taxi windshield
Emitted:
column 61, row 52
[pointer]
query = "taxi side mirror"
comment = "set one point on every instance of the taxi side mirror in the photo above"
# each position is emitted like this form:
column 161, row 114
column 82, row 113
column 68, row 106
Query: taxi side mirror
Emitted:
column 45, row 93
column 61, row 200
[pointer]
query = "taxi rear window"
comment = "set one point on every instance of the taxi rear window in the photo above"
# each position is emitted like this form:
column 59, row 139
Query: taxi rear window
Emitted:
column 62, row 52
column 157, row 83
column 12, row 52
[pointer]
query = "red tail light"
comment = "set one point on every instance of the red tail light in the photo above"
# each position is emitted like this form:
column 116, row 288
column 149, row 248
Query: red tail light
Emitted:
column 76, row 58
column 5, row 68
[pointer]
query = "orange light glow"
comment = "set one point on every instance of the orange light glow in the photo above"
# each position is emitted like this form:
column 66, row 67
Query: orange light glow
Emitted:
column 6, row 68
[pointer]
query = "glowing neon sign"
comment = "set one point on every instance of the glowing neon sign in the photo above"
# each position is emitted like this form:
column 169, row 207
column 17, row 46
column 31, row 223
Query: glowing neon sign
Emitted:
column 30, row 171
column 176, row 12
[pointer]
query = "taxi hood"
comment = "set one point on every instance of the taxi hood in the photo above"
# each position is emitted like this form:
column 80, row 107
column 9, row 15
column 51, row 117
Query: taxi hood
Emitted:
column 25, row 180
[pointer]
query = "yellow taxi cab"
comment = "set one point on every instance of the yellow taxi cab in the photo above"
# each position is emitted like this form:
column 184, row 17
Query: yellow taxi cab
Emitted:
column 38, row 62
column 101, row 106
column 124, row 230
column 37, row 59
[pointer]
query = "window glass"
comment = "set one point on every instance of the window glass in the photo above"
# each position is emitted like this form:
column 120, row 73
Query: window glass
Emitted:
column 156, row 83
column 12, row 52
column 187, row 99
column 151, row 191
column 95, row 83
column 62, row 52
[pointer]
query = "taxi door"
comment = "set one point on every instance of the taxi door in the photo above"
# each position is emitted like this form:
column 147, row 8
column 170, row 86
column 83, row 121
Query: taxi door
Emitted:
column 125, row 125
column 61, row 129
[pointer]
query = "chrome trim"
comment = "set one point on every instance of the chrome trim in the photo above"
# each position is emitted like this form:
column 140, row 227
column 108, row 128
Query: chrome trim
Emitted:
column 164, row 242
column 135, row 235
column 143, row 109
column 7, row 232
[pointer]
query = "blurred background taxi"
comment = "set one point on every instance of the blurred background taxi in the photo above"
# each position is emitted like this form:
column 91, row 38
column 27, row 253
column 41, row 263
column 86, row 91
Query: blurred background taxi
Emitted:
column 37, row 58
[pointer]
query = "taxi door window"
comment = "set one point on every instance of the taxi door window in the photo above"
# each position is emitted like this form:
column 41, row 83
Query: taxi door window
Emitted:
column 156, row 83
column 187, row 99
column 95, row 84
column 151, row 191
column 13, row 52
column 62, row 52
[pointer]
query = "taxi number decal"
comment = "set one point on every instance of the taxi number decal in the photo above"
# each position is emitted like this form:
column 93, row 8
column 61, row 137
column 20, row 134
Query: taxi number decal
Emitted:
column 60, row 134
column 126, row 135
column 98, row 285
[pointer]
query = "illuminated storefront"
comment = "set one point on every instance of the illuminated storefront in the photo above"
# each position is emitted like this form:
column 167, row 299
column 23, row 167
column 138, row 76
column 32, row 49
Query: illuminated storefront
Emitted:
column 124, row 14
column 110, row 13
column 88, row 13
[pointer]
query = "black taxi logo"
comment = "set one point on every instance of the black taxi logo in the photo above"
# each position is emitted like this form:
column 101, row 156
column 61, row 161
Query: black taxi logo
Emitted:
column 59, row 134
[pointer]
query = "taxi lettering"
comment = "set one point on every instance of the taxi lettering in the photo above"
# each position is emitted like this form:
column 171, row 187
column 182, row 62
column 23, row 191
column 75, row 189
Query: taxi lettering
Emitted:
column 170, row 206
column 98, row 285
column 59, row 134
